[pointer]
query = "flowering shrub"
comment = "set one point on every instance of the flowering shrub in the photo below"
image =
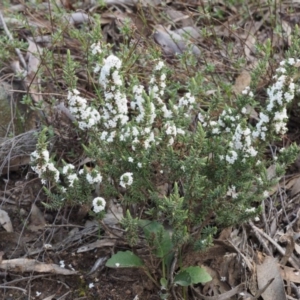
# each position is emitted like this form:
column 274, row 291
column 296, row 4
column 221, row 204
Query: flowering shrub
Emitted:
column 141, row 137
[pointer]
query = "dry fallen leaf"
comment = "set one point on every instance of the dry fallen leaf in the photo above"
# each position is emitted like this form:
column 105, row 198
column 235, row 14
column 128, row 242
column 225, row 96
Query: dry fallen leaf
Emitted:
column 114, row 214
column 296, row 186
column 78, row 18
column 190, row 32
column 241, row 82
column 37, row 220
column 5, row 221
column 265, row 272
column 290, row 274
column 172, row 43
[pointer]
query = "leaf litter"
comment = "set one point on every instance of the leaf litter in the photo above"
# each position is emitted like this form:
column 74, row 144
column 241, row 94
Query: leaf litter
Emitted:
column 258, row 260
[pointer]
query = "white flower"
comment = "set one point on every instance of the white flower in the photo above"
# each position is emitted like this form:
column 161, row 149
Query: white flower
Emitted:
column 52, row 169
column 97, row 68
column 180, row 131
column 96, row 48
column 71, row 178
column 47, row 246
column 282, row 63
column 232, row 192
column 252, row 151
column 94, row 177
column 130, row 159
column 110, row 62
column 45, row 155
column 244, row 110
column 171, row 129
column 281, row 70
column 139, row 165
column 98, row 204
column 116, row 78
column 63, row 189
column 231, row 157
column 38, row 293
column 67, row 168
column 266, row 194
column 246, row 90
column 91, row 285
column 113, row 61
column 126, row 179
column 216, row 130
column 171, row 141
column 34, row 155
column 249, row 210
column 159, row 66
column 62, row 263
column 117, row 265
column 103, row 135
column 201, row 118
column 291, row 61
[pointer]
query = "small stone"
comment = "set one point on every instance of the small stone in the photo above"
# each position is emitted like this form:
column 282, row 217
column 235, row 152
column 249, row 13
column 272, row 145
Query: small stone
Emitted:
column 128, row 292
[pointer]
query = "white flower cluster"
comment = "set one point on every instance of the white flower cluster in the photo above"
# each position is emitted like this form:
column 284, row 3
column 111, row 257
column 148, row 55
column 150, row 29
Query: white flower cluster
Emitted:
column 115, row 111
column 85, row 115
column 92, row 177
column 157, row 86
column 187, row 103
column 146, row 113
column 42, row 165
column 232, row 192
column 98, row 204
column 243, row 137
column 144, row 108
column 69, row 174
column 126, row 179
column 248, row 92
column 242, row 140
column 96, row 48
column 172, row 131
column 280, row 94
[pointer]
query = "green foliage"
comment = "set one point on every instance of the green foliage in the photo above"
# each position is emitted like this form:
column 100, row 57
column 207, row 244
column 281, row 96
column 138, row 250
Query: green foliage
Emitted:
column 191, row 275
column 157, row 237
column 131, row 226
column 183, row 166
column 124, row 259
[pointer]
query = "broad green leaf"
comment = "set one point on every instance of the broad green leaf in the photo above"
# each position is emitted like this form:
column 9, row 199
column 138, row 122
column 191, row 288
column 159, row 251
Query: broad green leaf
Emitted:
column 183, row 278
column 192, row 275
column 124, row 259
column 198, row 275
